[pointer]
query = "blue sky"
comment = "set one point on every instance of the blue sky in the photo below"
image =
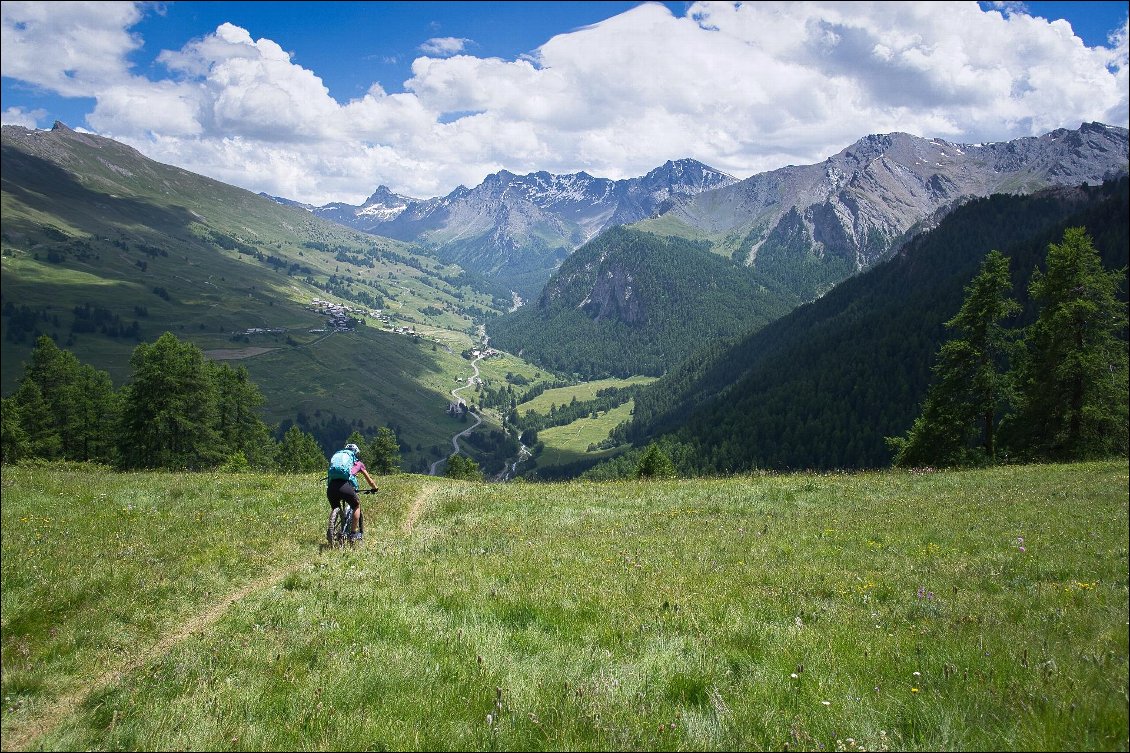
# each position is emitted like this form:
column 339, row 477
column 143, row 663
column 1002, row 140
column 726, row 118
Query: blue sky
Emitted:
column 324, row 101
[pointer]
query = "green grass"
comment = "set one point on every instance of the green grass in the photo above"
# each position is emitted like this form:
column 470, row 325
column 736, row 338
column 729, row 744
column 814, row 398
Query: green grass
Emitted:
column 570, row 443
column 894, row 610
column 584, row 391
column 117, row 227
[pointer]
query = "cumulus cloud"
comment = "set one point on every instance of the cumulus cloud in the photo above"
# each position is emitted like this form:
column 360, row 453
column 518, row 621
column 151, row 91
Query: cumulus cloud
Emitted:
column 743, row 87
column 18, row 116
column 70, row 48
column 444, row 46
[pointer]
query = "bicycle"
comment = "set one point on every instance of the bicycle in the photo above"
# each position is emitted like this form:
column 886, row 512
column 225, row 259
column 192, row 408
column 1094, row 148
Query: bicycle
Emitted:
column 341, row 523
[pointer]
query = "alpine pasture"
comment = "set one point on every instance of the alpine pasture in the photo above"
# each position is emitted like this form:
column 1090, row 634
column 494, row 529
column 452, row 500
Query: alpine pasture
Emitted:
column 958, row 610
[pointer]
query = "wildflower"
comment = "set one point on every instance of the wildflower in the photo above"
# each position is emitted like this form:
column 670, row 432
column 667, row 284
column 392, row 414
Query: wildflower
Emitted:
column 914, row 690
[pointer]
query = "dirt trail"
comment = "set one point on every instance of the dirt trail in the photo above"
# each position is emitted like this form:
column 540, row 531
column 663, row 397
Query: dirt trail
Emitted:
column 57, row 711
column 416, row 509
column 51, row 716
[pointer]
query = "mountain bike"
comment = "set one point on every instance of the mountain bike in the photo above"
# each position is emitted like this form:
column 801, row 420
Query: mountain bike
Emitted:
column 341, row 523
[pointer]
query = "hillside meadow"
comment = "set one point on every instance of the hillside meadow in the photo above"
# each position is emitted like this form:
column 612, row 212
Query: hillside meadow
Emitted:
column 972, row 610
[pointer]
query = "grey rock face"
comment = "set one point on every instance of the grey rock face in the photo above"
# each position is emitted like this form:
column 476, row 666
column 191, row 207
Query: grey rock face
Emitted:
column 527, row 222
column 805, row 227
column 855, row 207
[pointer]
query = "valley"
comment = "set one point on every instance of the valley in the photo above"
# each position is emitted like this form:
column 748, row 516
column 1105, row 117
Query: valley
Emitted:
column 346, row 330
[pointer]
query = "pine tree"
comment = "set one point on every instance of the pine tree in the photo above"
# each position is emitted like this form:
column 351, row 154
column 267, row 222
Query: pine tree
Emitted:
column 80, row 404
column 1073, row 377
column 298, row 452
column 237, row 419
column 970, row 386
column 656, row 464
column 385, row 452
column 463, row 468
column 169, row 409
column 14, row 442
column 93, row 426
column 43, row 440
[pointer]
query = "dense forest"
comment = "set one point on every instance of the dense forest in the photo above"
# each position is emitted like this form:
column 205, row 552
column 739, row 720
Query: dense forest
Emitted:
column 179, row 411
column 825, row 386
column 631, row 303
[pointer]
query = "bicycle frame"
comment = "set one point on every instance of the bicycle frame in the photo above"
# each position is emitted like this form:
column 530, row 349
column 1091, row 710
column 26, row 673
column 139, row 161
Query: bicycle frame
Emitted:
column 341, row 522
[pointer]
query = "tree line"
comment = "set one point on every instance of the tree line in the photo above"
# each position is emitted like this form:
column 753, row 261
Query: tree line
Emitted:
column 178, row 411
column 1055, row 390
column 824, row 386
column 631, row 303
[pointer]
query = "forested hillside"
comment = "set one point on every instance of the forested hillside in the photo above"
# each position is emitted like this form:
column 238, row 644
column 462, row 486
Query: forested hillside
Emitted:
column 632, row 303
column 104, row 249
column 823, row 386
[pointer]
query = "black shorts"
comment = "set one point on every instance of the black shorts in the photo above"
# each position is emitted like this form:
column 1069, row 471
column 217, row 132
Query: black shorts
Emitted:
column 340, row 489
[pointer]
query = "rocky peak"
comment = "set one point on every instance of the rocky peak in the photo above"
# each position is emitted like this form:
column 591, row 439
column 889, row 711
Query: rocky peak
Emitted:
column 383, row 195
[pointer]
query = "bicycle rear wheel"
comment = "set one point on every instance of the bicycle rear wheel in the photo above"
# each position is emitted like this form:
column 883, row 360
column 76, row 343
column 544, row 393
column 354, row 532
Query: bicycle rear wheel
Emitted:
column 337, row 530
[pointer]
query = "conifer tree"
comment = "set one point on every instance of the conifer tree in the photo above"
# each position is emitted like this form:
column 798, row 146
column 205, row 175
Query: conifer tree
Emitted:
column 1073, row 377
column 237, row 419
column 385, row 452
column 80, row 404
column 14, row 441
column 169, row 409
column 655, row 463
column 93, row 429
column 464, row 468
column 970, row 386
column 298, row 452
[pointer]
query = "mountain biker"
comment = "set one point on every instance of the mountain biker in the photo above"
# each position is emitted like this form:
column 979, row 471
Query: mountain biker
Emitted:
column 341, row 485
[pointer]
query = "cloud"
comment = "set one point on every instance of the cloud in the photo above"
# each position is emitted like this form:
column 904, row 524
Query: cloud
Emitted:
column 70, row 48
column 444, row 46
column 743, row 87
column 19, row 117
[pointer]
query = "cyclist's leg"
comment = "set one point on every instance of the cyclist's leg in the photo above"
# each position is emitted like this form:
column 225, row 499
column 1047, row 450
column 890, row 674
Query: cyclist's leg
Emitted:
column 349, row 494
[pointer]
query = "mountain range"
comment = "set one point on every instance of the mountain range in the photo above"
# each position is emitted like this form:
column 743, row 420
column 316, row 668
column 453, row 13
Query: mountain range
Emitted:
column 810, row 227
column 821, row 387
column 805, row 227
column 685, row 272
column 791, row 235
column 518, row 228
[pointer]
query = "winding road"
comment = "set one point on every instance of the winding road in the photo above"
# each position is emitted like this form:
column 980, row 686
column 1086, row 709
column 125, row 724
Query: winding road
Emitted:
column 478, row 420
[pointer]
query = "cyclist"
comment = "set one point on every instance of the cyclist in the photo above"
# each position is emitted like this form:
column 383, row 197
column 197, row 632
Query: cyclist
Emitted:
column 341, row 485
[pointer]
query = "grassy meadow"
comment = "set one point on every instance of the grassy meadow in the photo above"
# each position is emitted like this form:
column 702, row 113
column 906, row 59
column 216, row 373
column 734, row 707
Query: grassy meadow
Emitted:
column 570, row 443
column 974, row 610
column 564, row 445
column 582, row 391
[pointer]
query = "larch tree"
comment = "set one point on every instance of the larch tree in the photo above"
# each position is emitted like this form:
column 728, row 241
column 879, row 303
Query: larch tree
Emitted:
column 1073, row 376
column 963, row 405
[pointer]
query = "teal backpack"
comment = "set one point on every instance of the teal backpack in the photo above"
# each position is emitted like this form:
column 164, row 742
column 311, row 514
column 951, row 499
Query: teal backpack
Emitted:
column 341, row 465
